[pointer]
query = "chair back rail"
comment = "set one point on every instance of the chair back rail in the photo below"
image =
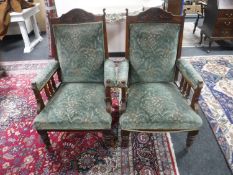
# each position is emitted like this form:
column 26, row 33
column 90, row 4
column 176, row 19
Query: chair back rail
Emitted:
column 78, row 16
column 154, row 15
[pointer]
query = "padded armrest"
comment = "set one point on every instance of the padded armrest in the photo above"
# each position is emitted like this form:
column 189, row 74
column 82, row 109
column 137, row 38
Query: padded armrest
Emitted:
column 45, row 74
column 187, row 70
column 109, row 73
column 123, row 71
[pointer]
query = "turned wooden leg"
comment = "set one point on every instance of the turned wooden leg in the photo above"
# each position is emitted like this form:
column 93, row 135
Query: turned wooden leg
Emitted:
column 124, row 139
column 115, row 124
column 109, row 138
column 108, row 99
column 190, row 138
column 44, row 136
column 210, row 44
column 196, row 23
column 201, row 38
column 115, row 119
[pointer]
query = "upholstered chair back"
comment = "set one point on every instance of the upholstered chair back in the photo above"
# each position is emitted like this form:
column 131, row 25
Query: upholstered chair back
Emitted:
column 80, row 51
column 152, row 52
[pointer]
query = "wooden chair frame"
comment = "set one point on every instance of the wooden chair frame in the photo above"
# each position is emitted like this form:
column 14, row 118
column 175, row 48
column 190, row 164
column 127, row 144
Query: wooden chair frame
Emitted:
column 50, row 88
column 160, row 16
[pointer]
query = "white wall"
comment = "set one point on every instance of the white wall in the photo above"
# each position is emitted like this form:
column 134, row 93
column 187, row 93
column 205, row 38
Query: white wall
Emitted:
column 115, row 30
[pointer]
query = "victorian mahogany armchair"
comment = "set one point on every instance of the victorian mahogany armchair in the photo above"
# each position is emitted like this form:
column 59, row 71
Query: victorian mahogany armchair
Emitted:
column 80, row 102
column 151, row 100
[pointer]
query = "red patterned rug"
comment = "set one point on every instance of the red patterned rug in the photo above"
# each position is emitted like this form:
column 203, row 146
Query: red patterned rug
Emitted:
column 22, row 151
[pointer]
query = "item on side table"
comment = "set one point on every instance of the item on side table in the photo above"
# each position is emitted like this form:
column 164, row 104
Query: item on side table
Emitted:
column 6, row 7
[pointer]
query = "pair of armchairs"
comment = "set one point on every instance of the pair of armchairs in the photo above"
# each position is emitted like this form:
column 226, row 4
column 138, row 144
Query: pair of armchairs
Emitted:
column 150, row 99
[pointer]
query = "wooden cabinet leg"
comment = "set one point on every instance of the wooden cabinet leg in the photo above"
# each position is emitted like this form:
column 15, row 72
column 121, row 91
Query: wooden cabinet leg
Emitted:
column 190, row 138
column 201, row 35
column 210, row 44
column 196, row 23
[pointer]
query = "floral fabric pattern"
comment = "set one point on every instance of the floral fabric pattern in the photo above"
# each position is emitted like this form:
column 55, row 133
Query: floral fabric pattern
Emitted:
column 187, row 70
column 44, row 75
column 109, row 73
column 153, row 49
column 80, row 49
column 158, row 106
column 76, row 106
column 123, row 71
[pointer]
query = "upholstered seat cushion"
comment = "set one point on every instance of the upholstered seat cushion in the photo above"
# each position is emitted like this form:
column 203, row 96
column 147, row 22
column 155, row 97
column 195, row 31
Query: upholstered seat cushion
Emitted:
column 75, row 106
column 153, row 106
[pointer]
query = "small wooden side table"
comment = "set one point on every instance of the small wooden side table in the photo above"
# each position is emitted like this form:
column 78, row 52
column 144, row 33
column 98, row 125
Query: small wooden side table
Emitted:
column 20, row 18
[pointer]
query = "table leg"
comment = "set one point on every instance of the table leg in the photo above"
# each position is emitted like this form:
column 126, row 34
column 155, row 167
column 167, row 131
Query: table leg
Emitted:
column 35, row 28
column 23, row 30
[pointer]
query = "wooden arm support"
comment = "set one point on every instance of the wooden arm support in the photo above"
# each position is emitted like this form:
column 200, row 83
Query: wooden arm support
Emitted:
column 124, row 95
column 108, row 99
column 185, row 87
column 50, row 88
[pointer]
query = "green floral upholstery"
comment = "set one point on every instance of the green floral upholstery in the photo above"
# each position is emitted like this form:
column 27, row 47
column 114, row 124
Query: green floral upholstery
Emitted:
column 109, row 73
column 123, row 70
column 80, row 49
column 158, row 106
column 187, row 70
column 153, row 49
column 44, row 75
column 75, row 106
